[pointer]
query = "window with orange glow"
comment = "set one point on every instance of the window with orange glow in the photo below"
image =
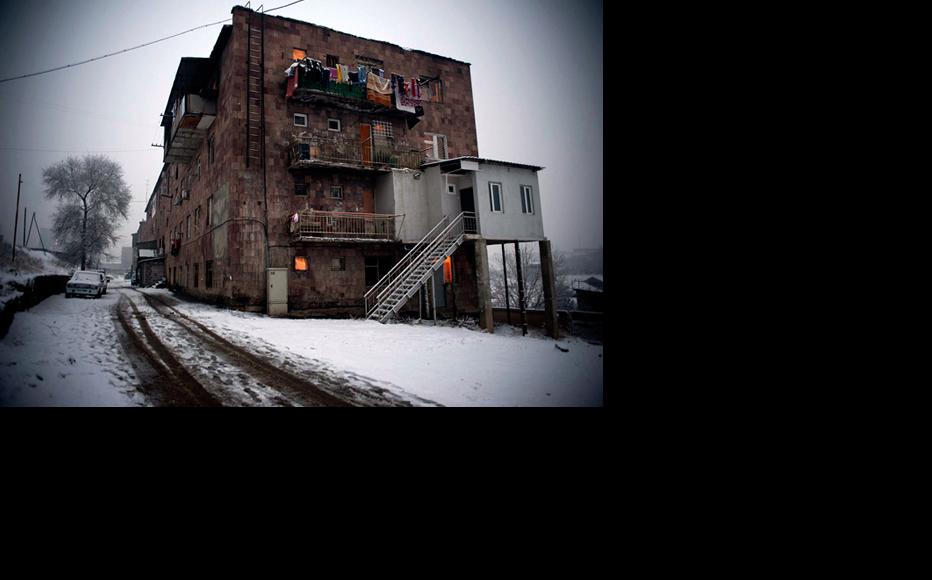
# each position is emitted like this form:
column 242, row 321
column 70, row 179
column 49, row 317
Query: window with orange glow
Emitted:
column 448, row 271
column 298, row 54
column 300, row 263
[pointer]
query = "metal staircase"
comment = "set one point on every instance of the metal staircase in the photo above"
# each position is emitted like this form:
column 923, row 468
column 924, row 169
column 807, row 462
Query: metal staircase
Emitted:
column 414, row 270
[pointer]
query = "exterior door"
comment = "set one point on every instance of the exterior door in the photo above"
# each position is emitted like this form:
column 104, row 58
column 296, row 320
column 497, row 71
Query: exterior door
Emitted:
column 467, row 203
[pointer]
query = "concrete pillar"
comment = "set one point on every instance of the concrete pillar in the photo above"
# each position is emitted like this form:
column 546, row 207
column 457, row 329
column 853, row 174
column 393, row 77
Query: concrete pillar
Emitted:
column 550, row 298
column 485, row 292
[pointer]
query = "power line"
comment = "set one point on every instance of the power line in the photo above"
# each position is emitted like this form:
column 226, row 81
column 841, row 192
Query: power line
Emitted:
column 132, row 48
column 75, row 150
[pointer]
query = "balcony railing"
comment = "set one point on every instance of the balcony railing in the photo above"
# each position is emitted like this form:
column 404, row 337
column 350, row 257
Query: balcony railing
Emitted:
column 379, row 155
column 313, row 224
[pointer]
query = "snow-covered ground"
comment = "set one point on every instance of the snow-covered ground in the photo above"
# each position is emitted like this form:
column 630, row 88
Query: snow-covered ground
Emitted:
column 29, row 264
column 65, row 352
column 450, row 365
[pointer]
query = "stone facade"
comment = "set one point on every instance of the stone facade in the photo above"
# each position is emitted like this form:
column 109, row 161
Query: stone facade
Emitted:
column 233, row 222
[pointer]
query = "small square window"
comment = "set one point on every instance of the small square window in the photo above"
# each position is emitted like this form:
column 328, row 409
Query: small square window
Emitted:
column 336, row 191
column 338, row 264
column 300, row 120
column 334, row 125
column 332, row 60
column 451, row 189
column 300, row 263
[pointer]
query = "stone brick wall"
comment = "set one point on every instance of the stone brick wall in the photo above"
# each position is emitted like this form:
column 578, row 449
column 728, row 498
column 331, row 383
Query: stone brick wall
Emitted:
column 235, row 240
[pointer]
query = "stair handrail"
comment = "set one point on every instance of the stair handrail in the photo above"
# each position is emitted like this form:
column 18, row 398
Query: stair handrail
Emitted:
column 416, row 261
column 388, row 278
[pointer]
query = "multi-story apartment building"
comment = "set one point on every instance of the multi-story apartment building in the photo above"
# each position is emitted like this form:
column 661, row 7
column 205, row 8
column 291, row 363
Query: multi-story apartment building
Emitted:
column 313, row 172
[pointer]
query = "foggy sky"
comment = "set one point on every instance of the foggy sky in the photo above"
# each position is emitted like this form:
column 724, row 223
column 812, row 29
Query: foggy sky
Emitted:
column 536, row 79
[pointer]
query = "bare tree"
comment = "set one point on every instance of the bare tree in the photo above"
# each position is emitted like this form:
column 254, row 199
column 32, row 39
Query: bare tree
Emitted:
column 93, row 197
column 533, row 278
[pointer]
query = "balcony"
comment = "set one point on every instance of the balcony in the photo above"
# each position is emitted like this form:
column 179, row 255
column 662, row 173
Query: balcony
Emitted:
column 313, row 225
column 381, row 155
column 191, row 116
column 303, row 88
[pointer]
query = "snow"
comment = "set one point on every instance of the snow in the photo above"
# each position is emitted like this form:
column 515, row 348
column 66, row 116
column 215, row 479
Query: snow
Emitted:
column 65, row 352
column 452, row 366
column 29, row 264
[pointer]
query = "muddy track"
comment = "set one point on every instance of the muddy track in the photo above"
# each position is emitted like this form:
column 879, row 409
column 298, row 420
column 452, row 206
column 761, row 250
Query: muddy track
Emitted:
column 171, row 384
column 301, row 390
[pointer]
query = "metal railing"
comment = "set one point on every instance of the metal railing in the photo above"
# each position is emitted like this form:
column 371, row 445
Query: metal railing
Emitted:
column 344, row 225
column 342, row 151
column 450, row 234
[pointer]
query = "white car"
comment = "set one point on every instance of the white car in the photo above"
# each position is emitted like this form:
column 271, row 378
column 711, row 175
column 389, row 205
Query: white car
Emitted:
column 85, row 283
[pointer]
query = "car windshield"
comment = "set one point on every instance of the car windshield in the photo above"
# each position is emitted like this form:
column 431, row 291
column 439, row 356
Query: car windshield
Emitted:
column 87, row 277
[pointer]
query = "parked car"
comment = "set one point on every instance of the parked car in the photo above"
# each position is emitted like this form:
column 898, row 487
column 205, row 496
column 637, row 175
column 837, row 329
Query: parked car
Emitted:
column 86, row 283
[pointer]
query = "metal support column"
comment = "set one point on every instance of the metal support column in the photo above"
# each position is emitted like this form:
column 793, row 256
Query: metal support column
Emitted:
column 521, row 291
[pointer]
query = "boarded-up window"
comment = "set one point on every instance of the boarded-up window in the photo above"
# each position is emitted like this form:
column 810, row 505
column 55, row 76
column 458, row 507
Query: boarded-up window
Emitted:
column 300, row 263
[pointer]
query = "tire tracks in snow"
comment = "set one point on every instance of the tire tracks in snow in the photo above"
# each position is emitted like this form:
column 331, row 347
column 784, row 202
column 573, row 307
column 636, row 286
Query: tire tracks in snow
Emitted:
column 172, row 384
column 263, row 371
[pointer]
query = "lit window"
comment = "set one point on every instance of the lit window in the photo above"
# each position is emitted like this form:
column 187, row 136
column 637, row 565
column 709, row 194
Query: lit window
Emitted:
column 298, row 53
column 448, row 270
column 300, row 120
column 300, row 263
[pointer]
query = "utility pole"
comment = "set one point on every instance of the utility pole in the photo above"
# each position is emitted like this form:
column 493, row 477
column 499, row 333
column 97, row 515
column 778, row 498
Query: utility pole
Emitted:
column 16, row 223
column 24, row 226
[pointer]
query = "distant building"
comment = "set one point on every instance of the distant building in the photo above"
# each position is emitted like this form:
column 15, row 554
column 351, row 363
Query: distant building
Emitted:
column 126, row 258
column 589, row 294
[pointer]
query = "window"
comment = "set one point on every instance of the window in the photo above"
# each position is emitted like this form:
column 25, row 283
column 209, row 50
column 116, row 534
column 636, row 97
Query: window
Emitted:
column 332, row 60
column 382, row 130
column 197, row 168
column 300, row 263
column 210, row 207
column 495, row 197
column 188, row 225
column 336, row 191
column 439, row 144
column 300, row 188
column 448, row 270
column 210, row 150
column 369, row 62
column 451, row 189
column 334, row 125
column 527, row 199
column 209, row 274
column 298, row 53
column 432, row 88
column 300, row 120
column 338, row 264
column 196, row 267
column 197, row 218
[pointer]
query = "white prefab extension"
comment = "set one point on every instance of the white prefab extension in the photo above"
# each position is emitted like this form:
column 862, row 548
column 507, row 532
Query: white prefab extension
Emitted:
column 504, row 196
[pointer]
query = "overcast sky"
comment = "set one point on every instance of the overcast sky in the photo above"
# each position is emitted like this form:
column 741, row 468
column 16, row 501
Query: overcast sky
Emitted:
column 536, row 73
